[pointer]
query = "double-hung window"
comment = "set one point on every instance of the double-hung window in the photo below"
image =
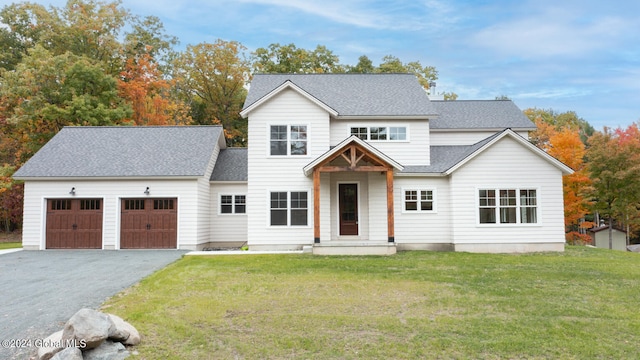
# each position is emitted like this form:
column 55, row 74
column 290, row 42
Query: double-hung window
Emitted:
column 289, row 208
column 507, row 206
column 233, row 204
column 419, row 200
column 287, row 140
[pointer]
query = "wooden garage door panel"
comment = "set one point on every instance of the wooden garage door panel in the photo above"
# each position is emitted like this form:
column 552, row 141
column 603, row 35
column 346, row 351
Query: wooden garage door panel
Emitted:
column 74, row 224
column 149, row 224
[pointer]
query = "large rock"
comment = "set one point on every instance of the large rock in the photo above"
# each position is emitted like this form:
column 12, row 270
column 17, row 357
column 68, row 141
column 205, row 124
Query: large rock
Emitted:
column 123, row 331
column 108, row 350
column 50, row 346
column 71, row 353
column 88, row 328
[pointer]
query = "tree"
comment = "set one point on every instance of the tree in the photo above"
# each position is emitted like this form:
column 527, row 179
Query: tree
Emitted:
column 45, row 93
column 142, row 85
column 212, row 79
column 364, row 66
column 561, row 139
column 425, row 74
column 558, row 121
column 283, row 59
column 567, row 147
column 614, row 165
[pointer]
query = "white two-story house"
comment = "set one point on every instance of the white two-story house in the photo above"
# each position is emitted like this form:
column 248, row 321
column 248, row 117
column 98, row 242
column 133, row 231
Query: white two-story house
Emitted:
column 336, row 163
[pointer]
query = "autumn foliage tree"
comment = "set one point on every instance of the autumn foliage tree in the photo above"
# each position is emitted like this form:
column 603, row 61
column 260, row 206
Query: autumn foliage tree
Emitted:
column 560, row 136
column 614, row 165
column 142, row 85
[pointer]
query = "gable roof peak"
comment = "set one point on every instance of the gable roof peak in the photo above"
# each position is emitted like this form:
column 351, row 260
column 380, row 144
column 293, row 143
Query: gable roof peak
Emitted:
column 349, row 95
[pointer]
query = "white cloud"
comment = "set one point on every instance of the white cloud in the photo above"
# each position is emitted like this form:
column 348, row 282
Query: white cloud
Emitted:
column 555, row 32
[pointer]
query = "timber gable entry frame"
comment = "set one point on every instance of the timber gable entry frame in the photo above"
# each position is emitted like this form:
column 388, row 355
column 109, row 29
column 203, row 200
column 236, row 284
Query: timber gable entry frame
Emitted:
column 353, row 155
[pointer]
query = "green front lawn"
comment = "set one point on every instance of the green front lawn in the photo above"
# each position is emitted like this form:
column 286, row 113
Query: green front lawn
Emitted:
column 581, row 304
column 10, row 245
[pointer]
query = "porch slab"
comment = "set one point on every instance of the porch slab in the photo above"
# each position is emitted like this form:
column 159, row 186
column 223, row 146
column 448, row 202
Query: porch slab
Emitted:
column 354, row 248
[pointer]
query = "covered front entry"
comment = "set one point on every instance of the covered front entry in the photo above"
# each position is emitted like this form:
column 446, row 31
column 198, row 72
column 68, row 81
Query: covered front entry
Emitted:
column 354, row 164
column 74, row 224
column 149, row 223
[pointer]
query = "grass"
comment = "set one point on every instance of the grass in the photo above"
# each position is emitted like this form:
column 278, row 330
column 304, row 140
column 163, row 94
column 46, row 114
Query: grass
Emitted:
column 10, row 245
column 580, row 304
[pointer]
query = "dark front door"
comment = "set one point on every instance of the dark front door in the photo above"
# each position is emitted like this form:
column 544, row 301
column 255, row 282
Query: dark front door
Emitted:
column 348, row 194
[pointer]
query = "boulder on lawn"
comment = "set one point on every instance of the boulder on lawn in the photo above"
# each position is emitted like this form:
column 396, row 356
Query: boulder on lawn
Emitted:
column 51, row 345
column 108, row 350
column 71, row 353
column 88, row 328
column 123, row 331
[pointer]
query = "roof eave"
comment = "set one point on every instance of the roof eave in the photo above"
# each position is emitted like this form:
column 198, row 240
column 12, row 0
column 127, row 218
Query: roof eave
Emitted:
column 509, row 132
column 517, row 129
column 103, row 178
column 387, row 117
column 286, row 85
column 309, row 167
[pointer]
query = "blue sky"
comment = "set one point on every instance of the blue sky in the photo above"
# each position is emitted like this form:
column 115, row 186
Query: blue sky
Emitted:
column 565, row 55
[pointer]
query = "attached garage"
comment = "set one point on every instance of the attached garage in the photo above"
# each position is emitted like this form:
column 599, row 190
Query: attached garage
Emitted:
column 74, row 224
column 147, row 223
column 137, row 177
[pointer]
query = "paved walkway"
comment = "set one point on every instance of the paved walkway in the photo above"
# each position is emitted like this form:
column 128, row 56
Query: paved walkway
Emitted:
column 41, row 290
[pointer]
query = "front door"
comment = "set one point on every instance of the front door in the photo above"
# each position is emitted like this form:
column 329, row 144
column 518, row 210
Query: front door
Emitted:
column 348, row 204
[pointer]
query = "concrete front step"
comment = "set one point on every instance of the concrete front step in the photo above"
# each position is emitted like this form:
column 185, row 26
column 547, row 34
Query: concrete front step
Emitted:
column 354, row 248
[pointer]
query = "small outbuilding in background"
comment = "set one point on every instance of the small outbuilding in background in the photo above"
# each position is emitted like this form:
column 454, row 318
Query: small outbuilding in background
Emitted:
column 600, row 236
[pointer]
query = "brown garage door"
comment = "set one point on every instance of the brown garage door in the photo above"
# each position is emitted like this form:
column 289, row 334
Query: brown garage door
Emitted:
column 149, row 224
column 74, row 224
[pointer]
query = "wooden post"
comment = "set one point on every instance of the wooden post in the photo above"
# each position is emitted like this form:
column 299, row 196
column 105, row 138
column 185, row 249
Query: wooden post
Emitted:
column 316, row 206
column 390, row 214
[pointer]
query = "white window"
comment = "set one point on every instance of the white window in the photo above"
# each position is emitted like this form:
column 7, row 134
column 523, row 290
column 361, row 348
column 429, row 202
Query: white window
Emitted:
column 233, row 204
column 288, row 140
column 380, row 133
column 504, row 206
column 289, row 208
column 419, row 200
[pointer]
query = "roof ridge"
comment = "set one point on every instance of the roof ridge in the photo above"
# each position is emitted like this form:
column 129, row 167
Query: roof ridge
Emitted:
column 138, row 126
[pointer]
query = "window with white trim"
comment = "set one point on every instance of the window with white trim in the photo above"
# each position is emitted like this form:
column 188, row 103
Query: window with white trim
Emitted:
column 287, row 140
column 289, row 208
column 507, row 206
column 380, row 133
column 419, row 200
column 233, row 204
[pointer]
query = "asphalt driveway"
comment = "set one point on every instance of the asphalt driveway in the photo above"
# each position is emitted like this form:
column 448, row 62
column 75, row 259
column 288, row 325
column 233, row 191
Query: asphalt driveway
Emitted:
column 41, row 290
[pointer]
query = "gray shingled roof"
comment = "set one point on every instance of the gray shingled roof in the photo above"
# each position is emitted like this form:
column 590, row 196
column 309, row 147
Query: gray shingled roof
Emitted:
column 479, row 114
column 125, row 152
column 445, row 157
column 231, row 165
column 353, row 94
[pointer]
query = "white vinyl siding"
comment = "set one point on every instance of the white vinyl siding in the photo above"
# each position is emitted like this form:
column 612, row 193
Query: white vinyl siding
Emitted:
column 281, row 174
column 507, row 165
column 412, row 151
column 413, row 227
column 227, row 228
column 37, row 193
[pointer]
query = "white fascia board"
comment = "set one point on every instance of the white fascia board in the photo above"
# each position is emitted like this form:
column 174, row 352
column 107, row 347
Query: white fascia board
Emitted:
column 386, row 117
column 108, row 178
column 508, row 132
column 308, row 168
column 479, row 129
column 287, row 85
